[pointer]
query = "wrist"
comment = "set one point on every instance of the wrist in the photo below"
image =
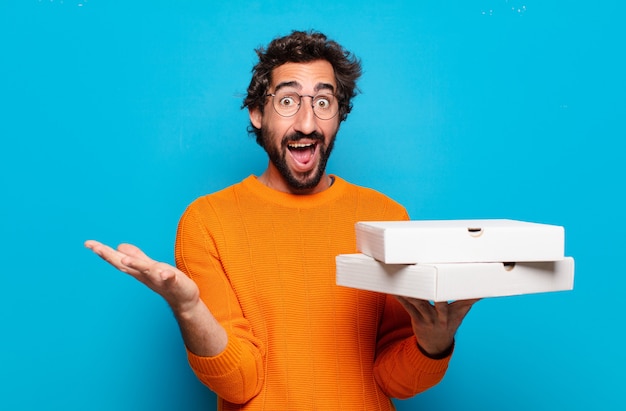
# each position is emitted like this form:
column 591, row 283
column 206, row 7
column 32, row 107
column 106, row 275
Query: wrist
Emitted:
column 188, row 311
column 202, row 333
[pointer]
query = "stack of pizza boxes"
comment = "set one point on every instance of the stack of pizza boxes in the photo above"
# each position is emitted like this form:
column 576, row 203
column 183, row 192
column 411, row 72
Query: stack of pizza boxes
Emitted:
column 447, row 260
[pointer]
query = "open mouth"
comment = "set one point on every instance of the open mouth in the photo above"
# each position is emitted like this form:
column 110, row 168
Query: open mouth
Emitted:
column 303, row 153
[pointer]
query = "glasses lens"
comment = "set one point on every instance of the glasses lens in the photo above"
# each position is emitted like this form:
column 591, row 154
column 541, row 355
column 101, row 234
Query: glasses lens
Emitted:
column 325, row 106
column 287, row 103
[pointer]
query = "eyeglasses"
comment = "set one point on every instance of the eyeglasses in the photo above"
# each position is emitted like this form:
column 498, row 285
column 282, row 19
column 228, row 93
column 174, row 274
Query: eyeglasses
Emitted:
column 287, row 103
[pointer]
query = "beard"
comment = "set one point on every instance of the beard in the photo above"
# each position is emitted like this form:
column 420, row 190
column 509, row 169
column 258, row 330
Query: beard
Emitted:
column 277, row 155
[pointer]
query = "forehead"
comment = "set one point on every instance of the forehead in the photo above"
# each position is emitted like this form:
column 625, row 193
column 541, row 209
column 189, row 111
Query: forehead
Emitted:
column 306, row 76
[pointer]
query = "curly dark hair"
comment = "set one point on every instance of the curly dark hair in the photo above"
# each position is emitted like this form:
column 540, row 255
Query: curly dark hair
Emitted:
column 303, row 47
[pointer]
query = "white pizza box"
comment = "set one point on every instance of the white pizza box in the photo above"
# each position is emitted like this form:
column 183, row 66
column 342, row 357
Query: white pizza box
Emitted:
column 459, row 241
column 454, row 281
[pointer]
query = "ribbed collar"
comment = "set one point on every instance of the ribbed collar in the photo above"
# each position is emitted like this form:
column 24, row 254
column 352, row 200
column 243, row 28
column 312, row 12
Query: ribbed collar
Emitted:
column 337, row 189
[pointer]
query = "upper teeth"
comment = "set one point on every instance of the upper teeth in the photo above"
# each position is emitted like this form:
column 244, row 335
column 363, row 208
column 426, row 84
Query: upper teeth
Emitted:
column 299, row 145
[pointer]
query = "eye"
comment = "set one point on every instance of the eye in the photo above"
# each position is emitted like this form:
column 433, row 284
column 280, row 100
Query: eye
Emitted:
column 287, row 101
column 323, row 102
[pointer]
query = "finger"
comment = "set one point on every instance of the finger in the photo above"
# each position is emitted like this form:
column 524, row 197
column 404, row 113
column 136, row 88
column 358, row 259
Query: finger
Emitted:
column 407, row 306
column 459, row 309
column 464, row 304
column 92, row 244
column 109, row 255
column 138, row 260
column 418, row 309
column 141, row 264
column 151, row 271
column 132, row 251
column 425, row 307
column 102, row 250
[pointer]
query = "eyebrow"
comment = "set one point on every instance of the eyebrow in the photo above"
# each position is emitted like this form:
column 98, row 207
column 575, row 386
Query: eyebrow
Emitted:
column 296, row 85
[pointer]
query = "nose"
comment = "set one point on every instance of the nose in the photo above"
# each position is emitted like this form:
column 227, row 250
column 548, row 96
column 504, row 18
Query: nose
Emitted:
column 305, row 120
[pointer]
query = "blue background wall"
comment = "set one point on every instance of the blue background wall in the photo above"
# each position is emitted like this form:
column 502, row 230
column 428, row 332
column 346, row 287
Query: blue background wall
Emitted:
column 115, row 115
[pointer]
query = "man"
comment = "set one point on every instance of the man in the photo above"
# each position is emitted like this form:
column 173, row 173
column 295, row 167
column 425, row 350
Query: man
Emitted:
column 264, row 324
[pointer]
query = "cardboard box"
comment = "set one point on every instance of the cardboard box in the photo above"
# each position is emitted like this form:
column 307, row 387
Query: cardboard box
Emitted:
column 454, row 281
column 459, row 241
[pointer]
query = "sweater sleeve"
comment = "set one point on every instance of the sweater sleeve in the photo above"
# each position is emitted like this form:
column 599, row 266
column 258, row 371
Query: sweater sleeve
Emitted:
column 236, row 374
column 401, row 369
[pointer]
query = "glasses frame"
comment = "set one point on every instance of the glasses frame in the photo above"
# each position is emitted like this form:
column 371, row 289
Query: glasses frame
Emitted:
column 273, row 95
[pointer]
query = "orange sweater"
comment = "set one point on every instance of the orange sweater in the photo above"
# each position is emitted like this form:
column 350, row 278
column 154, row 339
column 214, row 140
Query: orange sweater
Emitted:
column 265, row 264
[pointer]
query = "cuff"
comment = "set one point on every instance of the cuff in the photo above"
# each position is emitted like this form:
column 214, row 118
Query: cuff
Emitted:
column 439, row 356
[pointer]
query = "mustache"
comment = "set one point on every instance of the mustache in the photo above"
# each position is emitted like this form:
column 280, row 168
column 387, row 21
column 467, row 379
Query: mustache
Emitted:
column 297, row 136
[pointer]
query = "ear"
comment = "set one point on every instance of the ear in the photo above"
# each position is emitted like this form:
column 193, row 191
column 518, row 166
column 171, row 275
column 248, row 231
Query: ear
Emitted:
column 256, row 117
